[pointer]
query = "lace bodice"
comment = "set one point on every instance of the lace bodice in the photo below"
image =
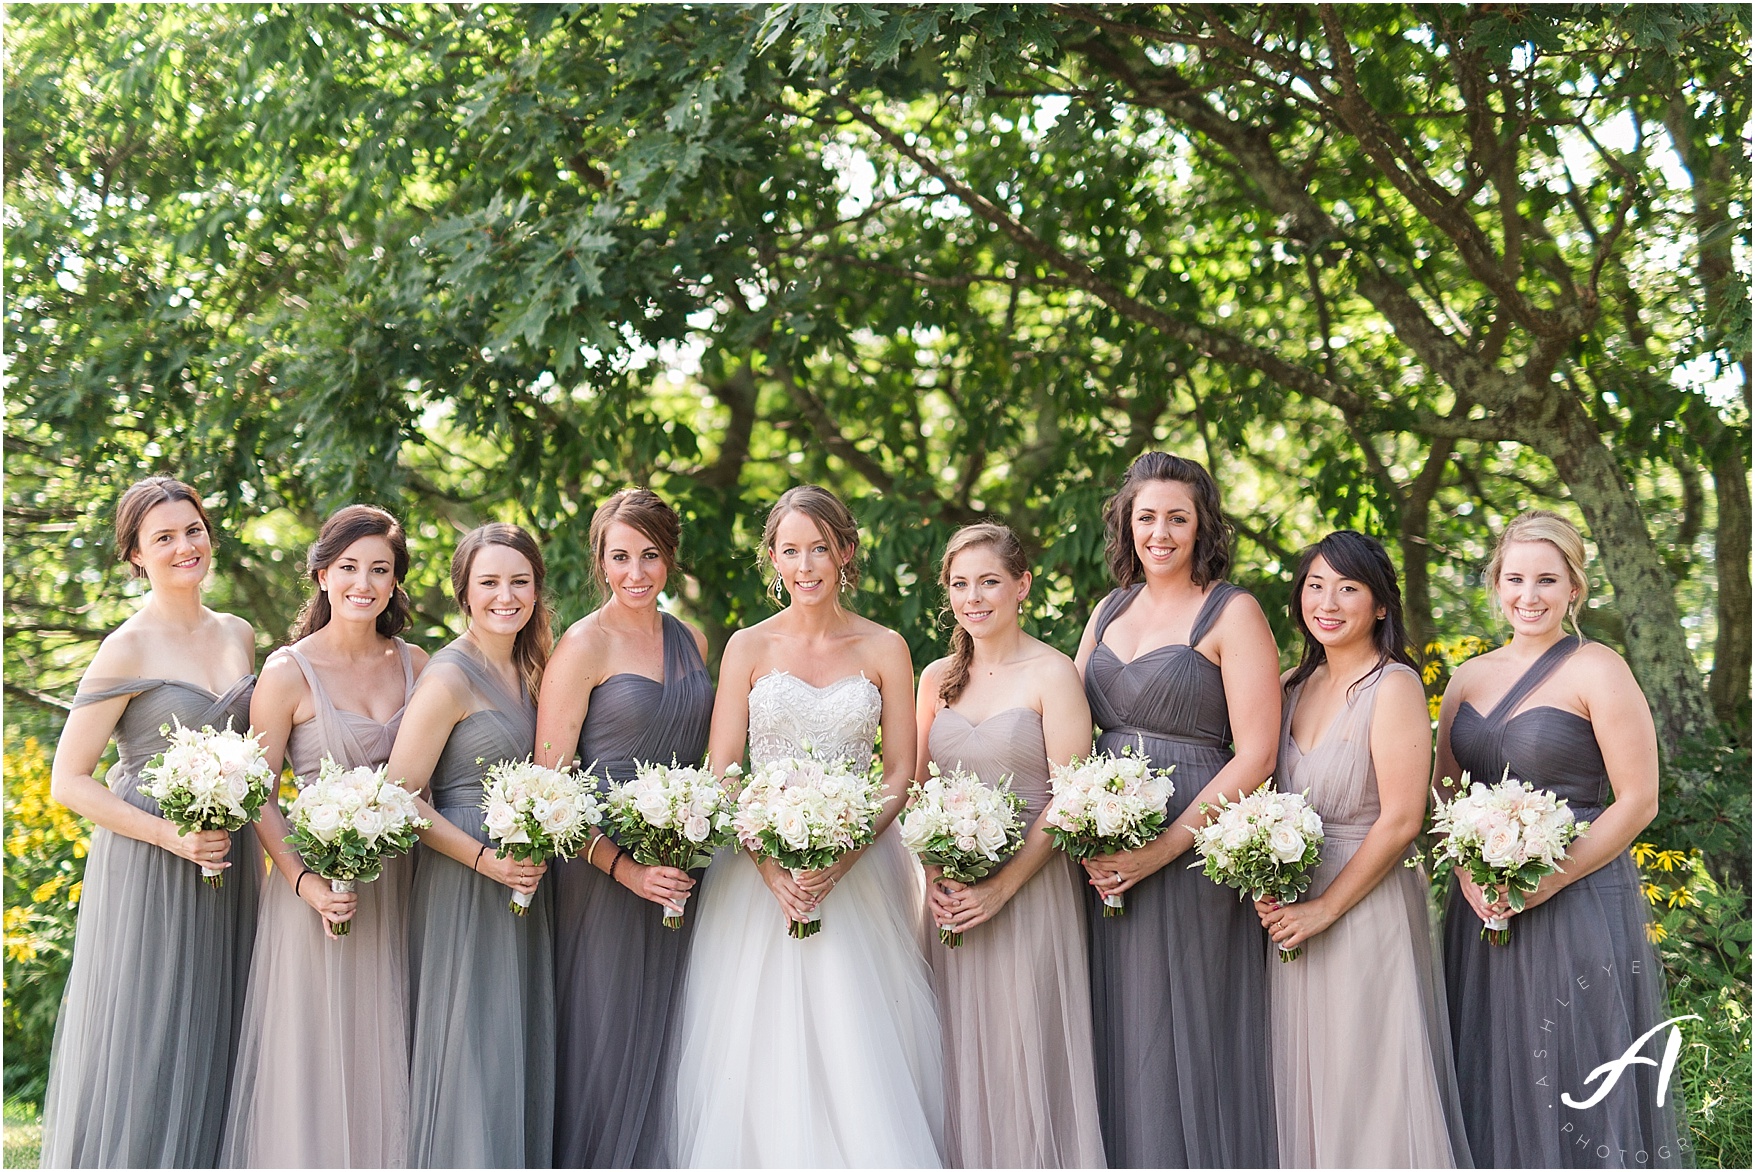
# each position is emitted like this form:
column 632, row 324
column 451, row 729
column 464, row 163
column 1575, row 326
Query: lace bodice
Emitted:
column 790, row 718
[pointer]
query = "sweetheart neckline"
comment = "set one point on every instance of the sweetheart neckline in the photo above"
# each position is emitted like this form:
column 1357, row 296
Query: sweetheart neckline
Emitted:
column 1102, row 646
column 991, row 715
column 1470, row 705
column 828, row 687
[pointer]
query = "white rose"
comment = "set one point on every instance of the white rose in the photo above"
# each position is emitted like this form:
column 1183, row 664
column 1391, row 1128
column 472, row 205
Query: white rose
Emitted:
column 1286, row 844
column 369, row 823
column 501, row 817
column 1236, row 836
column 793, row 828
column 989, row 834
column 324, row 823
column 1310, row 823
column 916, row 829
column 1499, row 846
column 1111, row 815
column 559, row 817
column 696, row 827
column 654, row 806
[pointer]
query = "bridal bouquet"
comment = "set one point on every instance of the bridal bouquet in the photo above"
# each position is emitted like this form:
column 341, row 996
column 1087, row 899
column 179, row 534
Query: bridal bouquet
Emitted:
column 1508, row 835
column 1264, row 844
column 963, row 827
column 536, row 814
column 670, row 816
column 348, row 821
column 207, row 780
column 1106, row 803
column 805, row 814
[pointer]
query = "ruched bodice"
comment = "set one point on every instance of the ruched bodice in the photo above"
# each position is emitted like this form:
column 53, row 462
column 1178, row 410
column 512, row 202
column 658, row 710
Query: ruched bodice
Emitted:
column 502, row 728
column 1006, row 744
column 350, row 739
column 634, row 718
column 156, row 703
column 1337, row 774
column 1173, row 692
column 1545, row 746
column 792, row 718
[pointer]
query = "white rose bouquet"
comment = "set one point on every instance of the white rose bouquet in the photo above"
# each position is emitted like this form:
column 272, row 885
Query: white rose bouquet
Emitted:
column 1265, row 845
column 670, row 816
column 1106, row 803
column 805, row 814
column 346, row 822
column 1508, row 835
column 963, row 827
column 536, row 814
column 207, row 780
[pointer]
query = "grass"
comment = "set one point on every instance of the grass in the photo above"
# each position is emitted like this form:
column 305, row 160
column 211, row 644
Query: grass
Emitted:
column 24, row 1134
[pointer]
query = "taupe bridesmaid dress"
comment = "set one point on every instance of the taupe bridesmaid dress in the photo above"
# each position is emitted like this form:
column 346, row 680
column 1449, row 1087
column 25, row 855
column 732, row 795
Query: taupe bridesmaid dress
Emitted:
column 482, row 1032
column 1015, row 996
column 1361, row 1041
column 322, row 1072
column 149, row 1020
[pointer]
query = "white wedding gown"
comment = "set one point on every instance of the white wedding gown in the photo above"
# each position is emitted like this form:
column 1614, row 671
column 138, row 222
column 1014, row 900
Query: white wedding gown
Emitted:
column 822, row 1052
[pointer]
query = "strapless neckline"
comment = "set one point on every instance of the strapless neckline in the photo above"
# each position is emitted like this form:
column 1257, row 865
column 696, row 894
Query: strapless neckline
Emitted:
column 992, row 716
column 781, row 673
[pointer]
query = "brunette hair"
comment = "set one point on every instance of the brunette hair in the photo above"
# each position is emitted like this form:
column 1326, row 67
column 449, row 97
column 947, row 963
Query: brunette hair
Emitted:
column 531, row 647
column 649, row 514
column 1003, row 542
column 1557, row 531
column 141, row 498
column 1361, row 558
column 831, row 516
column 342, row 529
column 1212, row 533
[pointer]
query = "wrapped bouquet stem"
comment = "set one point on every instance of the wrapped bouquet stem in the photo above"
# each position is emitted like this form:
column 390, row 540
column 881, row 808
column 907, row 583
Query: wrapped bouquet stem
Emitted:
column 805, row 815
column 347, row 822
column 536, row 814
column 1265, row 844
column 670, row 816
column 1107, row 803
column 208, row 780
column 1509, row 835
column 965, row 828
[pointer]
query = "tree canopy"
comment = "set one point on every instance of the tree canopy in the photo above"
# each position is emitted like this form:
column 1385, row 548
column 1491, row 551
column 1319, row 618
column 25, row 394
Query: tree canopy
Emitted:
column 1406, row 268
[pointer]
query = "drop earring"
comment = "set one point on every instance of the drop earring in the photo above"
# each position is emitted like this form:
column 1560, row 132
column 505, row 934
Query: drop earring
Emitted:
column 845, row 584
column 774, row 589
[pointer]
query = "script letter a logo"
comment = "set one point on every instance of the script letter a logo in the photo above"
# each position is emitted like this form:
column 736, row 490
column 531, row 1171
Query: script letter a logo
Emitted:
column 1610, row 1071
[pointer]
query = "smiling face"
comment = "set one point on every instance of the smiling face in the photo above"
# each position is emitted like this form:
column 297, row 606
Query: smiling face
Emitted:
column 633, row 565
column 983, row 594
column 809, row 564
column 1535, row 589
column 502, row 590
column 174, row 548
column 1337, row 611
column 1164, row 527
column 361, row 582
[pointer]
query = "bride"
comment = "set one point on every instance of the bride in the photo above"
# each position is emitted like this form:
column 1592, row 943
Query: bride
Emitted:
column 824, row 1051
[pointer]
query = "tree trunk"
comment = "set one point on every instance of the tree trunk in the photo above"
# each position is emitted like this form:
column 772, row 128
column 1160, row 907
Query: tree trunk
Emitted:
column 1729, row 690
column 1657, row 650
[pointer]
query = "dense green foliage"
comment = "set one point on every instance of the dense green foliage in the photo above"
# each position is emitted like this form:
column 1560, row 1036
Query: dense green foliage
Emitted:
column 1406, row 268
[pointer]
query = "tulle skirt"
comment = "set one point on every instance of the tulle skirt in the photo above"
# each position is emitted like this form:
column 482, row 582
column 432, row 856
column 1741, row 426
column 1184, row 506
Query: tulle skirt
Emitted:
column 822, row 1052
column 1015, row 995
column 322, row 1073
column 142, row 1059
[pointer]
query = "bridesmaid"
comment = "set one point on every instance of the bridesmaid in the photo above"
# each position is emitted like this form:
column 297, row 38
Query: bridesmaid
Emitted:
column 481, row 1071
column 627, row 682
column 322, row 1073
column 149, row 1018
column 1181, row 663
column 1361, row 1040
column 1015, row 996
column 1579, row 982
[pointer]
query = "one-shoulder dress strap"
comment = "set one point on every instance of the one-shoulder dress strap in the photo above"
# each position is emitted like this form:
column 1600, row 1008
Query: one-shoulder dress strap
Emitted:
column 1111, row 607
column 1211, row 609
column 111, row 689
column 680, row 653
column 1545, row 665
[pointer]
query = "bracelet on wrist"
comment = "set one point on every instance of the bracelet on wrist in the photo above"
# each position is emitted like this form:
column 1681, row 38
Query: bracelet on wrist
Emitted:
column 476, row 866
column 599, row 837
column 615, row 862
column 300, row 880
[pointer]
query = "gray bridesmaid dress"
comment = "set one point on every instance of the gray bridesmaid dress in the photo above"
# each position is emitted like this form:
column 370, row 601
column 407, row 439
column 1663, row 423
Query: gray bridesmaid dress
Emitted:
column 1578, row 982
column 322, row 1072
column 1015, row 995
column 618, row 971
column 1178, row 983
column 148, row 1029
column 481, row 1071
column 1361, row 1037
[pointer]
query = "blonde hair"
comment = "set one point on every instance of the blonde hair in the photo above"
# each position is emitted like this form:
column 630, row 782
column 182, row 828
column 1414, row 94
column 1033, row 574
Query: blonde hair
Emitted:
column 1010, row 551
column 833, row 519
column 1557, row 531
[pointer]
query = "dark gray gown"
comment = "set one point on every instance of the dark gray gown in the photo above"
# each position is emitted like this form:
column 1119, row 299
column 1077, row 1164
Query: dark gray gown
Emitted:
column 618, row 970
column 148, row 1031
column 481, row 1033
column 1178, row 983
column 1578, row 982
